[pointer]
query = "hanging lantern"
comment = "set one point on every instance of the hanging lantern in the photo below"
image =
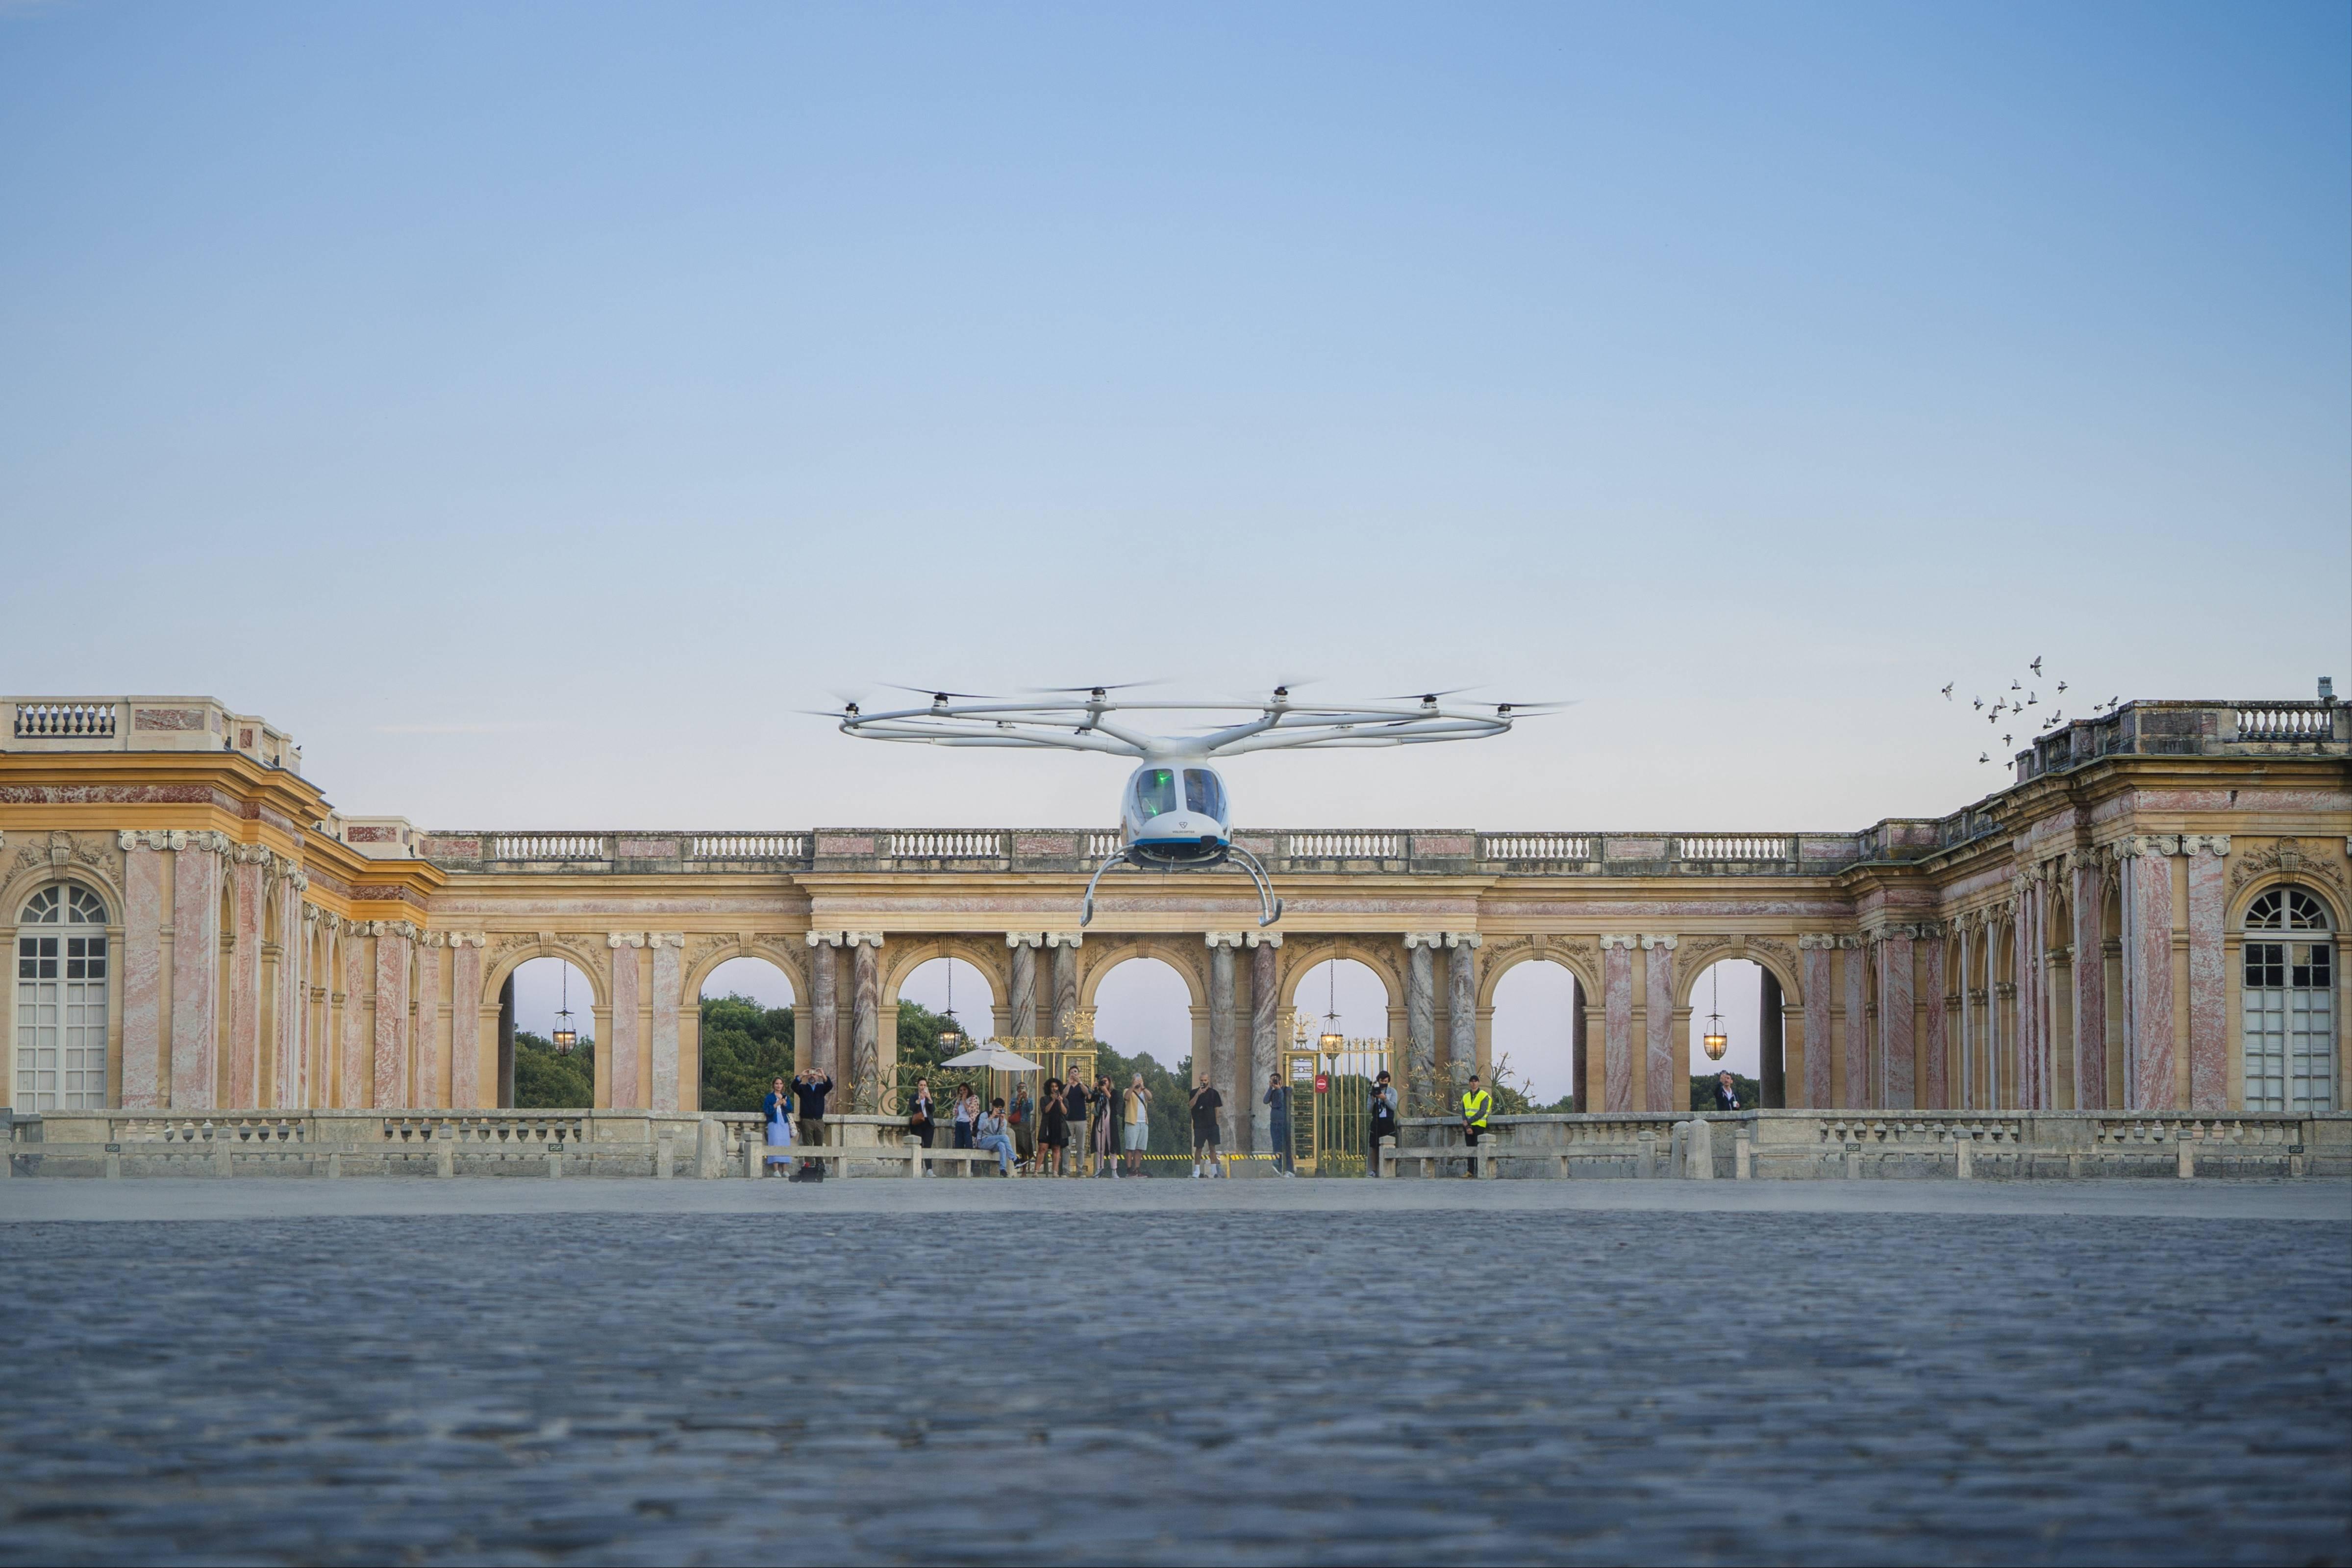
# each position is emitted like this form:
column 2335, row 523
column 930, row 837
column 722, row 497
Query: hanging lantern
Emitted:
column 564, row 1036
column 1332, row 1041
column 1714, row 1043
column 950, row 1036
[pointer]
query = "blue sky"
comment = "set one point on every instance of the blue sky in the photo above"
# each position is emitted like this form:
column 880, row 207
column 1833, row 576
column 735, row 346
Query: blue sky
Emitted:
column 528, row 407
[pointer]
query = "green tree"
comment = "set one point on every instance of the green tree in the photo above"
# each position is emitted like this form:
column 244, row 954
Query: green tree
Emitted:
column 745, row 1047
column 1170, row 1115
column 548, row 1080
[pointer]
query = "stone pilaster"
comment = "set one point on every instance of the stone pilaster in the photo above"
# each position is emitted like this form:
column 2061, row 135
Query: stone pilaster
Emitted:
column 1461, row 1004
column 246, row 868
column 1936, row 1092
column 2209, row 978
column 1813, row 952
column 431, row 1060
column 1895, row 1024
column 2090, row 989
column 1421, row 1021
column 142, row 973
column 1064, row 947
column 1859, row 1078
column 358, row 1068
column 2146, row 868
column 1664, row 1069
column 466, row 1020
column 291, row 1036
column 1617, row 1022
column 196, row 969
column 1021, row 986
column 1265, row 1030
column 392, row 1080
column 1223, row 945
column 824, row 1003
column 669, row 983
column 621, row 1053
column 865, row 1021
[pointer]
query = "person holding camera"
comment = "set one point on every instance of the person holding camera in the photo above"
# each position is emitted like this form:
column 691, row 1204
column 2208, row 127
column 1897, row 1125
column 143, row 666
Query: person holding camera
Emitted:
column 1206, row 1103
column 1383, row 1120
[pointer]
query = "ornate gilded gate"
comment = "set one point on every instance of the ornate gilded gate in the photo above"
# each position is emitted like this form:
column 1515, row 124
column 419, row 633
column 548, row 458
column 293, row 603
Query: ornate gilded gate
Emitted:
column 1330, row 1103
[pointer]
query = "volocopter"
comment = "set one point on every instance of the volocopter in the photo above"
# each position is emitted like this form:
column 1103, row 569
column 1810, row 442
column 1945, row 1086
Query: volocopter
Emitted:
column 1175, row 812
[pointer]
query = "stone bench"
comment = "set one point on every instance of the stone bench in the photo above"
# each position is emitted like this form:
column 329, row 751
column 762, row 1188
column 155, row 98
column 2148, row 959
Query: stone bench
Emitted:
column 1482, row 1158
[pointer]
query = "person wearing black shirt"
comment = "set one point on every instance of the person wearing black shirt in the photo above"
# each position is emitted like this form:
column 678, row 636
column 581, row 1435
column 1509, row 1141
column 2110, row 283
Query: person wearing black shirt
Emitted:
column 920, row 1121
column 809, row 1091
column 1074, row 1109
column 1383, row 1120
column 1277, row 1120
column 1206, row 1102
column 1727, row 1092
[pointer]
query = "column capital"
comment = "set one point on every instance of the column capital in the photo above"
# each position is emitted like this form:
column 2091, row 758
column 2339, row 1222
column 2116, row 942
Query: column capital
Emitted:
column 1462, row 938
column 1065, row 938
column 863, row 938
column 1667, row 942
column 1225, row 938
column 1619, row 939
column 2215, row 844
column 665, row 938
column 1424, row 939
column 468, row 939
column 827, row 938
column 625, row 939
column 2132, row 845
column 1263, row 938
column 1024, row 939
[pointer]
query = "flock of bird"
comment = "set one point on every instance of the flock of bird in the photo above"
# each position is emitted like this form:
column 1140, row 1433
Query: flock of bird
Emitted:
column 2012, row 704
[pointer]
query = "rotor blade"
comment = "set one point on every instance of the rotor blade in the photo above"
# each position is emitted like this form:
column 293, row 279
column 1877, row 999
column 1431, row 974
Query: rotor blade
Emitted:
column 1099, row 686
column 935, row 692
column 1424, row 696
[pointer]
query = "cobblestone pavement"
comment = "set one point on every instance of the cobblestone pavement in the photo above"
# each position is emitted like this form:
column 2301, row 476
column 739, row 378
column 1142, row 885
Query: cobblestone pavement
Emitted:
column 1154, row 1382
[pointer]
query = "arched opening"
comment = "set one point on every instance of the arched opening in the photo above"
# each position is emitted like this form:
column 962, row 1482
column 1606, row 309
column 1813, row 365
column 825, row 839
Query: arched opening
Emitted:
column 1537, row 1041
column 1144, row 1026
column 61, row 1008
column 2288, row 1003
column 552, row 999
column 2000, row 1033
column 946, row 1006
column 747, row 1032
column 1727, row 1000
column 1330, row 1127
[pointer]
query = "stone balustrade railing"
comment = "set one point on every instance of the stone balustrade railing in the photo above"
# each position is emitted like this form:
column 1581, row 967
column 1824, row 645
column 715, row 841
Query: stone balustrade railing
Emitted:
column 1763, row 1145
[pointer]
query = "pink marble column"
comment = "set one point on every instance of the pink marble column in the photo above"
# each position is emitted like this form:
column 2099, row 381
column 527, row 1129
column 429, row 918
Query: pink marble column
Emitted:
column 1617, row 1022
column 392, row 1081
column 865, row 1023
column 2090, row 986
column 2148, row 960
column 465, row 1022
column 289, row 994
column 623, row 1052
column 670, row 981
column 2209, row 985
column 2025, row 957
column 431, row 1072
column 823, row 1010
column 196, row 971
column 1664, row 1069
column 359, row 1067
column 142, row 975
column 1859, row 1076
column 245, row 891
column 1936, row 1093
column 1895, row 1058
column 1817, row 1022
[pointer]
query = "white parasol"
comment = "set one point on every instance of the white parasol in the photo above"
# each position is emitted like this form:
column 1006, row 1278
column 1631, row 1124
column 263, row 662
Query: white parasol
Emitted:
column 993, row 1056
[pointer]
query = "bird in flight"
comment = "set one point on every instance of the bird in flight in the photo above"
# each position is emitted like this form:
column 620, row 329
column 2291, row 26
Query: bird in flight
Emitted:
column 2032, row 698
column 2016, row 686
column 2036, row 666
column 2062, row 685
column 1977, row 702
column 1984, row 756
column 2005, row 740
column 1947, row 689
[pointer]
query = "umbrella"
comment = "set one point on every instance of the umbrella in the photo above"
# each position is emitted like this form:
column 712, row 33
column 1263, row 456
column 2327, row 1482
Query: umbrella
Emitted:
column 993, row 1056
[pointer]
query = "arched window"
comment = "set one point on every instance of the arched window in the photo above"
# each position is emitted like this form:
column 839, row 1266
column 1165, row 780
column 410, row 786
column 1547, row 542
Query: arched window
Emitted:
column 2289, row 1004
column 61, row 1002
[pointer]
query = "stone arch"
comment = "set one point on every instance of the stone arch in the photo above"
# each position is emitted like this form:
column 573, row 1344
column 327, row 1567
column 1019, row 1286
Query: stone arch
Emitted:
column 1187, row 957
column 705, row 954
column 2242, row 899
column 1696, row 957
column 1502, row 957
column 527, row 946
column 1300, row 956
column 902, row 955
column 29, row 880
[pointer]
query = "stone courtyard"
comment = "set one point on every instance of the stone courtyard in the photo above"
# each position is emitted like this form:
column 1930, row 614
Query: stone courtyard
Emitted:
column 1335, row 1371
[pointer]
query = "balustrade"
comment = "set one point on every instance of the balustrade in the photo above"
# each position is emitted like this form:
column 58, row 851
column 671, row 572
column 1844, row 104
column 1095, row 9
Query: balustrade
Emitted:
column 65, row 720
column 1343, row 846
column 747, row 846
column 1730, row 847
column 2298, row 721
column 950, row 845
column 1535, row 846
column 552, row 847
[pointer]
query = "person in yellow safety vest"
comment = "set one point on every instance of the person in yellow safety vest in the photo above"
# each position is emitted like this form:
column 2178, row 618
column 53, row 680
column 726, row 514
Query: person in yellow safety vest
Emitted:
column 1475, row 1104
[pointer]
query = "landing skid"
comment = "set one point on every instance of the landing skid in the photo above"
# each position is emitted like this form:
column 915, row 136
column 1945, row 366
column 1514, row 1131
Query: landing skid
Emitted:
column 1269, row 907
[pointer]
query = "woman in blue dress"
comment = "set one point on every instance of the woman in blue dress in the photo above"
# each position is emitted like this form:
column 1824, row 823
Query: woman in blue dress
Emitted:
column 778, row 1109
